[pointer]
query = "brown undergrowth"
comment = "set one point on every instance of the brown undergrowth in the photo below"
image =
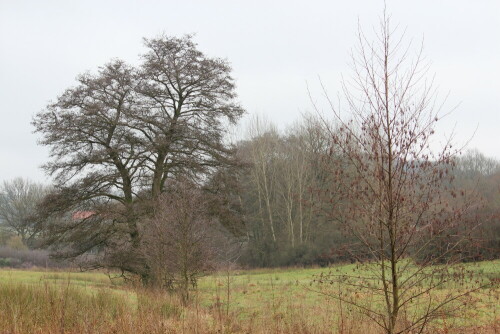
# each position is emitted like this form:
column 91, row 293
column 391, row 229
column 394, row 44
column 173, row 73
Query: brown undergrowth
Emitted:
column 68, row 307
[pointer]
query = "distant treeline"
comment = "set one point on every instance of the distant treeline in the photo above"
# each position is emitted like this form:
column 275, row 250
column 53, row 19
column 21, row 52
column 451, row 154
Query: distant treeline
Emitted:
column 281, row 217
column 287, row 222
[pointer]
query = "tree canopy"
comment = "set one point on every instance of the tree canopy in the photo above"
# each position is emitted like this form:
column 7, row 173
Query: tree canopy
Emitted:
column 121, row 133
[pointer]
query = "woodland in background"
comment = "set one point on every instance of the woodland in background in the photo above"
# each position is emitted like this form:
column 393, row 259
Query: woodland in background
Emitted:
column 283, row 173
column 287, row 172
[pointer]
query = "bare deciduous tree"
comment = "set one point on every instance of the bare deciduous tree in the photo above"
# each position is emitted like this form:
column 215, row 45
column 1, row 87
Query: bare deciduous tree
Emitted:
column 393, row 189
column 18, row 201
column 263, row 170
column 283, row 168
column 118, row 136
column 181, row 240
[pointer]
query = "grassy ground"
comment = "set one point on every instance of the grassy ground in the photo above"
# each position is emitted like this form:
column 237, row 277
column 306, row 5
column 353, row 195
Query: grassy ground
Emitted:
column 254, row 301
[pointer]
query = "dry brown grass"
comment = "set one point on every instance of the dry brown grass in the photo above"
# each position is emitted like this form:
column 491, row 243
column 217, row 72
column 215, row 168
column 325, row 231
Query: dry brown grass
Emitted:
column 63, row 304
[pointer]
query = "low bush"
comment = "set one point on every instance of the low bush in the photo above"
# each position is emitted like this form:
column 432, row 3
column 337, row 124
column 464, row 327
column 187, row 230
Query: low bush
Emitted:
column 26, row 258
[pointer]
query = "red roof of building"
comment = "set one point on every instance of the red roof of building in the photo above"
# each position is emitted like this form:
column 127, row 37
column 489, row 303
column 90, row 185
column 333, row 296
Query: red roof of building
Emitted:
column 82, row 214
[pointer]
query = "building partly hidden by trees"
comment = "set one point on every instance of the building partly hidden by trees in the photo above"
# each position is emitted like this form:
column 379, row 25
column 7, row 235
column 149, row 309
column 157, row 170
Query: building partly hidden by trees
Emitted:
column 117, row 140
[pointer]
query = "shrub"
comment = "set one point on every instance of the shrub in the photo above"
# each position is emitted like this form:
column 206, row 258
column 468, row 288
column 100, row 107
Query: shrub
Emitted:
column 16, row 243
column 25, row 258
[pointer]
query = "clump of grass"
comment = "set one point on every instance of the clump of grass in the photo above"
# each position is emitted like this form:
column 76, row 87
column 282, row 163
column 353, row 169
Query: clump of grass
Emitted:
column 47, row 308
column 160, row 303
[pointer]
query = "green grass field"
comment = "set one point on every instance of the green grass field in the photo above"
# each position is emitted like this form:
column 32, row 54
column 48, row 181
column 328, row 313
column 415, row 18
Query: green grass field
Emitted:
column 239, row 301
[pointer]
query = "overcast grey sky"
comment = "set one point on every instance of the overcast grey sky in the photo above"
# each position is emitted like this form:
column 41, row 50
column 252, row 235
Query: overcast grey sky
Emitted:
column 275, row 47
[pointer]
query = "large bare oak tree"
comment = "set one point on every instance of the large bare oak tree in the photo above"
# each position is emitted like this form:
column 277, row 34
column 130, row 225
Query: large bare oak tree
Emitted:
column 120, row 134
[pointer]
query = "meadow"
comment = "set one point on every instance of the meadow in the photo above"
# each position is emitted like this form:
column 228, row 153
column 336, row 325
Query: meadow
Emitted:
column 232, row 301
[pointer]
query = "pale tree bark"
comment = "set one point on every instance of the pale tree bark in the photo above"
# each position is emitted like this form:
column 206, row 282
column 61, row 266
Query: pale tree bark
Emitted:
column 262, row 150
